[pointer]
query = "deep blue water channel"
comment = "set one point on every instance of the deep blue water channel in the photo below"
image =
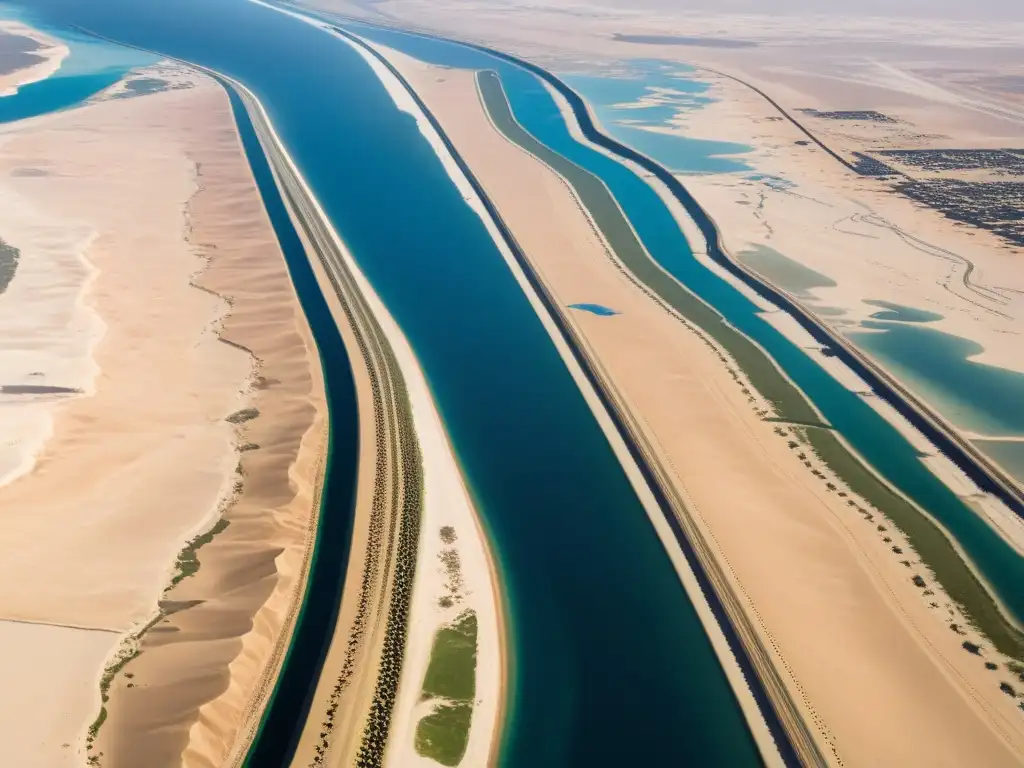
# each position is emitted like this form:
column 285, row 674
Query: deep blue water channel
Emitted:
column 610, row 665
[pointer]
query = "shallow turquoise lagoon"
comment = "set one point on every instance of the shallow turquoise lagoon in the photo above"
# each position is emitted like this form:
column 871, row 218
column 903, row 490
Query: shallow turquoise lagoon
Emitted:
column 901, row 313
column 91, row 66
column 790, row 275
column 644, row 97
column 974, row 396
column 1009, row 454
column 594, row 309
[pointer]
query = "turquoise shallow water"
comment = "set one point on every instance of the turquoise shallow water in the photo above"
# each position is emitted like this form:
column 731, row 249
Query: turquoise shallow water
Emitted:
column 1009, row 454
column 974, row 396
column 901, row 313
column 610, row 665
column 791, row 275
column 646, row 95
column 91, row 66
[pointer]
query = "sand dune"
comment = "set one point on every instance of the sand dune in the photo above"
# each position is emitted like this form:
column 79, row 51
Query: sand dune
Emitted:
column 144, row 460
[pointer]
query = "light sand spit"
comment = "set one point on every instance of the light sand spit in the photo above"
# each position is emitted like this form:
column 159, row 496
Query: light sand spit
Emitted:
column 52, row 51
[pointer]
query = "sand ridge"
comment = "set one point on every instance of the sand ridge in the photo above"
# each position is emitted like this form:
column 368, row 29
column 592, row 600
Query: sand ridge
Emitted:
column 211, row 671
column 144, row 460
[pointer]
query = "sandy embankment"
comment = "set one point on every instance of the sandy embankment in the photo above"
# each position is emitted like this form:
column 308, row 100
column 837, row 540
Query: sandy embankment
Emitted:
column 144, row 460
column 874, row 669
column 350, row 674
column 52, row 51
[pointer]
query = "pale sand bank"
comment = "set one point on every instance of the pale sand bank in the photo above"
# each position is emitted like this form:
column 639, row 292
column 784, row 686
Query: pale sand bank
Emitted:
column 56, row 679
column 52, row 51
column 144, row 460
column 813, row 575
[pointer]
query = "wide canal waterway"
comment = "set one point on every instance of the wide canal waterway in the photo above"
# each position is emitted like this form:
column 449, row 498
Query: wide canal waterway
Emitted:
column 609, row 663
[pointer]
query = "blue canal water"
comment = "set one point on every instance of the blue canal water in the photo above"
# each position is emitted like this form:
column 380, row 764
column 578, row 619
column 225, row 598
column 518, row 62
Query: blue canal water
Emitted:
column 877, row 441
column 91, row 66
column 594, row 309
column 609, row 663
column 643, row 98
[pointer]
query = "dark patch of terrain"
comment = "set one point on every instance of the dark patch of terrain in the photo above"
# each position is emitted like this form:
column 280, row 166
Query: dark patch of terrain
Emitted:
column 997, row 206
column 1006, row 162
column 17, row 52
column 700, row 42
column 37, row 389
column 8, row 264
column 866, row 115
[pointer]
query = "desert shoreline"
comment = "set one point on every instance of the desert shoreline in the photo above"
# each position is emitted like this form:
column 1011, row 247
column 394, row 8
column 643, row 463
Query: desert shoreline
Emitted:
column 999, row 517
column 205, row 393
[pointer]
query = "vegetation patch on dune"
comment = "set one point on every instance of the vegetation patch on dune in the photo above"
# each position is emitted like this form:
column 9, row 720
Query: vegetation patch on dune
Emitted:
column 242, row 416
column 443, row 734
column 450, row 683
column 186, row 565
column 188, row 559
column 8, row 264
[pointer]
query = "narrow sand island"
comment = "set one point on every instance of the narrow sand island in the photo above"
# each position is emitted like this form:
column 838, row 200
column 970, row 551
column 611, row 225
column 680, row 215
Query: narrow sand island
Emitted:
column 809, row 571
column 169, row 430
column 419, row 570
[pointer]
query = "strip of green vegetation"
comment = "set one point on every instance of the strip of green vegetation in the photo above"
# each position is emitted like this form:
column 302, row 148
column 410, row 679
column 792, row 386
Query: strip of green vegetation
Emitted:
column 129, row 650
column 790, row 403
column 443, row 735
column 187, row 565
column 8, row 264
column 188, row 558
column 242, row 416
column 452, row 670
column 451, row 680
